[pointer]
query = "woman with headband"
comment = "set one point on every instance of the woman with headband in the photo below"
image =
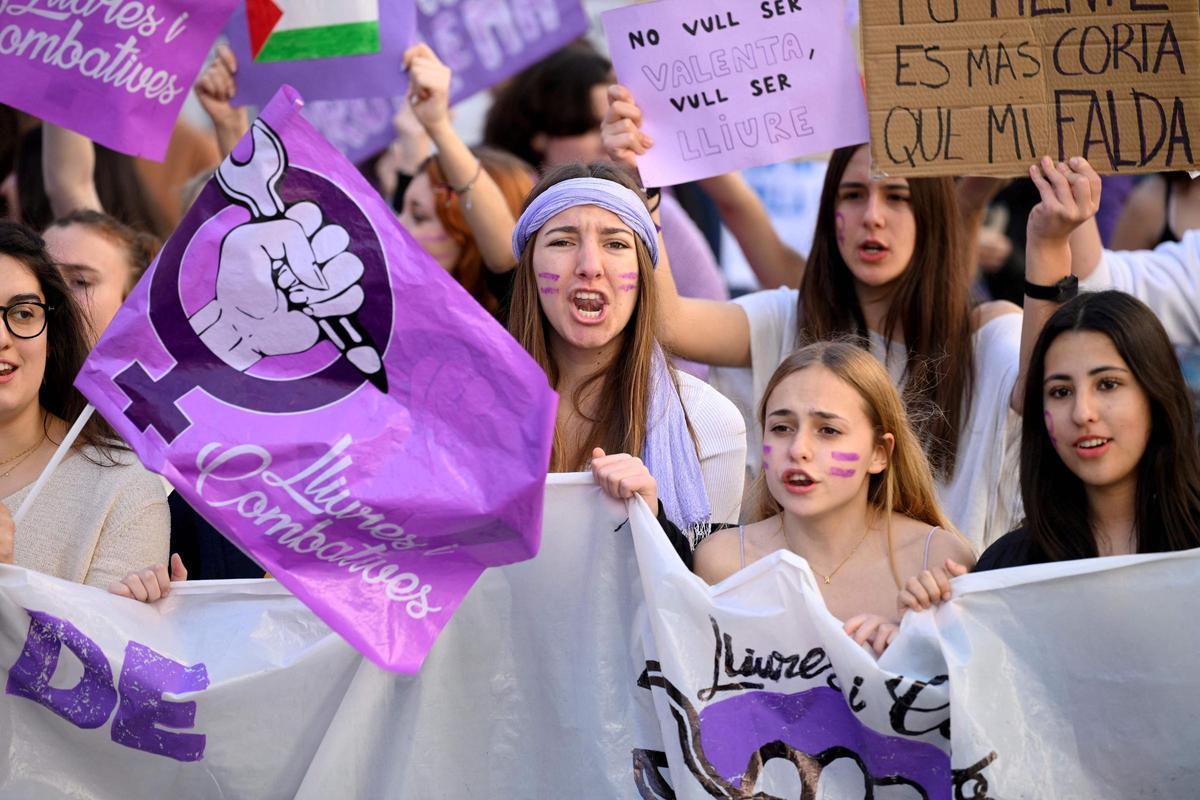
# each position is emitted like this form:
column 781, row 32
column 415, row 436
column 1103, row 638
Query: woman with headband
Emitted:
column 583, row 305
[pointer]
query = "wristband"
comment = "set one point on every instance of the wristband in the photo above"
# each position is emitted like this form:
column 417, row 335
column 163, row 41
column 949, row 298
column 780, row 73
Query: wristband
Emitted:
column 1060, row 292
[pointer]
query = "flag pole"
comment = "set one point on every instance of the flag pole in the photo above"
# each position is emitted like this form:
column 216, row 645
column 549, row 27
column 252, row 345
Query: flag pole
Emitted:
column 55, row 460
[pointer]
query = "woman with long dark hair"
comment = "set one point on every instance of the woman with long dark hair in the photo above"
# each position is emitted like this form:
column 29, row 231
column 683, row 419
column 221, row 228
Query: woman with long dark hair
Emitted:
column 1110, row 463
column 101, row 515
column 889, row 266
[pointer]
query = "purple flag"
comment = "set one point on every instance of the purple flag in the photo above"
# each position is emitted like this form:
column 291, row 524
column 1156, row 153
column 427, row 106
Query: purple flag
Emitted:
column 486, row 42
column 116, row 72
column 379, row 73
column 728, row 86
column 324, row 393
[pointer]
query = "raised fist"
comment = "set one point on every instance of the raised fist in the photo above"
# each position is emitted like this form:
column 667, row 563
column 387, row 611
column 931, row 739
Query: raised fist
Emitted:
column 276, row 279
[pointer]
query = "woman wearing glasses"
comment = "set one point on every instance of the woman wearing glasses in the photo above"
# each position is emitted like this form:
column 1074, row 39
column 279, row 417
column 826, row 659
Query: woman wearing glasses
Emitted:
column 101, row 516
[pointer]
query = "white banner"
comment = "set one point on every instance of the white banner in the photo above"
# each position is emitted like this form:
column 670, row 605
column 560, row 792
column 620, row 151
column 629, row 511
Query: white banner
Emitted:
column 556, row 678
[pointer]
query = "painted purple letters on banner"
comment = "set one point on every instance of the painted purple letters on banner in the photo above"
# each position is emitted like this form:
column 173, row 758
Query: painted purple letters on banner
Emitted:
column 327, row 396
column 486, row 42
column 118, row 78
column 378, row 75
column 359, row 127
column 727, row 86
column 143, row 716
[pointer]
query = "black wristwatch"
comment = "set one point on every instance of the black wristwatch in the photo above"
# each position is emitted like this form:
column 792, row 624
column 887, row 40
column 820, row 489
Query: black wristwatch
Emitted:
column 1060, row 292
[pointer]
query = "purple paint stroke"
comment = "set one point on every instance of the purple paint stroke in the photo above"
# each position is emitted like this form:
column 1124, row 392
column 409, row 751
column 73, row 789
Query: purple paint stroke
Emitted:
column 549, row 290
column 813, row 721
column 1050, row 427
column 841, row 227
column 766, row 449
column 550, row 276
column 629, row 276
column 840, row 472
column 839, row 456
column 629, row 287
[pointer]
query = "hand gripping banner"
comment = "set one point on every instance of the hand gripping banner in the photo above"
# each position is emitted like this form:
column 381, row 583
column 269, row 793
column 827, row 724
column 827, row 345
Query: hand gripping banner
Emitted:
column 324, row 393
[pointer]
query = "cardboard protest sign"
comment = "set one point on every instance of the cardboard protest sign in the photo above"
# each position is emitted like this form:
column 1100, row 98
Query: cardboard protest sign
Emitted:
column 986, row 88
column 116, row 72
column 725, row 86
column 484, row 43
column 336, row 50
column 328, row 397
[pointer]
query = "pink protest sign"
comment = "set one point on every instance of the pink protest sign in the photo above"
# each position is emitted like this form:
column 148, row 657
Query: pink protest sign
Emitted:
column 327, row 396
column 726, row 86
column 117, row 72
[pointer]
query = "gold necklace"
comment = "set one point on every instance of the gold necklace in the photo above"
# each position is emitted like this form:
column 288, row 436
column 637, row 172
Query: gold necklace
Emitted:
column 828, row 578
column 20, row 459
column 21, row 454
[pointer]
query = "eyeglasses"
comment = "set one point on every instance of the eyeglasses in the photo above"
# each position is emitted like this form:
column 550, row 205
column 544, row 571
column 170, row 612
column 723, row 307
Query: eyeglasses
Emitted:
column 26, row 320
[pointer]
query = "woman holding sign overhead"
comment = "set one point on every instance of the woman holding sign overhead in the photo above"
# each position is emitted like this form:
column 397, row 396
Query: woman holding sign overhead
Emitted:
column 888, row 266
column 585, row 307
column 100, row 515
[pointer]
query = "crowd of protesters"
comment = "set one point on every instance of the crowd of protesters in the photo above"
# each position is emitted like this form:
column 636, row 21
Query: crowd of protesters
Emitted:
column 926, row 392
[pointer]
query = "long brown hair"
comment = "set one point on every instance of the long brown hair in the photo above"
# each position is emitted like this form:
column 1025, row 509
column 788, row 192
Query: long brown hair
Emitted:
column 623, row 404
column 515, row 179
column 931, row 306
column 1167, row 500
column 66, row 341
column 906, row 484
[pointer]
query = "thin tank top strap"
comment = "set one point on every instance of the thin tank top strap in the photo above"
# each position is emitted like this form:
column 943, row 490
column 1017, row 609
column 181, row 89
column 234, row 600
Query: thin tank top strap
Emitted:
column 742, row 546
column 928, row 539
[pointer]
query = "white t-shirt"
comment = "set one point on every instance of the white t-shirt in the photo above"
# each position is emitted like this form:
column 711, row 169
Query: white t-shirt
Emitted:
column 983, row 498
column 721, row 437
column 1166, row 278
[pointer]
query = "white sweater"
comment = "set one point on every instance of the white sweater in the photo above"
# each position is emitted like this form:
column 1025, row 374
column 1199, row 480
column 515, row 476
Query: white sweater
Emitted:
column 1166, row 278
column 94, row 524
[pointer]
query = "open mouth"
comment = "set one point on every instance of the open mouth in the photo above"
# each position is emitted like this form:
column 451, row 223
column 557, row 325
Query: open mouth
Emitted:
column 1094, row 443
column 797, row 480
column 589, row 306
column 872, row 250
column 7, row 369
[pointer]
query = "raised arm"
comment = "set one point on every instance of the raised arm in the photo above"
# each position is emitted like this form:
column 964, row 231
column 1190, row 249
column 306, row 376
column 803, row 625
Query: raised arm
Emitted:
column 215, row 89
column 775, row 263
column 483, row 204
column 1070, row 195
column 708, row 331
column 69, row 170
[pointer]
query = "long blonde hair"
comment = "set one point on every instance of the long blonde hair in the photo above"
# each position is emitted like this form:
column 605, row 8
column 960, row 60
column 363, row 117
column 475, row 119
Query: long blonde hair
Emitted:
column 905, row 486
column 624, row 402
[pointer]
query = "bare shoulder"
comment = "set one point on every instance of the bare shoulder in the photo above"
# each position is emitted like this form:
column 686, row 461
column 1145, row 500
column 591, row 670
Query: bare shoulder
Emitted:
column 909, row 537
column 717, row 556
column 984, row 313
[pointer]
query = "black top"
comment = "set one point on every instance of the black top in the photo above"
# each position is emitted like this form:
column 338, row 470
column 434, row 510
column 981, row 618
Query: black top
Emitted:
column 205, row 552
column 1013, row 549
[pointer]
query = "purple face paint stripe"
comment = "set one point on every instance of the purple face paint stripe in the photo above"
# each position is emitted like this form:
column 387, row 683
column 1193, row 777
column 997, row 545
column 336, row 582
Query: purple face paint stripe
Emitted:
column 549, row 290
column 841, row 472
column 550, row 276
column 844, row 456
column 766, row 449
column 629, row 287
column 629, row 276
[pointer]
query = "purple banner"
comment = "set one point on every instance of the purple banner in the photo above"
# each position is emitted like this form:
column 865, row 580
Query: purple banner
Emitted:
column 486, row 42
column 380, row 74
column 359, row 127
column 116, row 72
column 320, row 390
column 727, row 86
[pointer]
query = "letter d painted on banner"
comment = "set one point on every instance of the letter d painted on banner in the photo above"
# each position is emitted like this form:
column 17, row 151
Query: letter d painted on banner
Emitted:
column 90, row 701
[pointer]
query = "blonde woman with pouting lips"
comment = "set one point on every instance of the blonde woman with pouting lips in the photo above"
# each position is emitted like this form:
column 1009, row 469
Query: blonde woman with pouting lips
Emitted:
column 845, row 485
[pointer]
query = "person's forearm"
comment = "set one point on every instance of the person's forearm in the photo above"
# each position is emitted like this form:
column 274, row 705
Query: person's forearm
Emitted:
column 68, row 170
column 742, row 211
column 1086, row 249
column 483, row 204
column 230, row 132
column 1046, row 263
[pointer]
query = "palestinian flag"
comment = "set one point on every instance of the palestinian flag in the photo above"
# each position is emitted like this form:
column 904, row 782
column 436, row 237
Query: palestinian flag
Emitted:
column 292, row 30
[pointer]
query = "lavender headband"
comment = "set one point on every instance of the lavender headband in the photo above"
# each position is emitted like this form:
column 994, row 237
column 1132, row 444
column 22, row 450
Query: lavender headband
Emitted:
column 606, row 194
